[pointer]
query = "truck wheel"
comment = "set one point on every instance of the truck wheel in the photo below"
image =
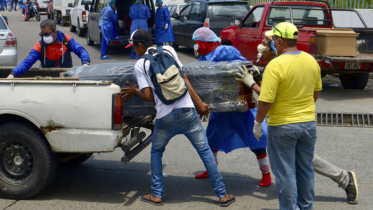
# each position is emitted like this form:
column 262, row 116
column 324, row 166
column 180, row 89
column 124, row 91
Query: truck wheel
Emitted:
column 81, row 31
column 88, row 38
column 27, row 162
column 175, row 46
column 72, row 159
column 354, row 81
column 72, row 28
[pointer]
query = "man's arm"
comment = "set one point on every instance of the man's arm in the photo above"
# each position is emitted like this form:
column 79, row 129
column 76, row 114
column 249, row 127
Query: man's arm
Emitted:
column 263, row 109
column 316, row 95
column 202, row 108
column 145, row 93
column 26, row 64
column 80, row 51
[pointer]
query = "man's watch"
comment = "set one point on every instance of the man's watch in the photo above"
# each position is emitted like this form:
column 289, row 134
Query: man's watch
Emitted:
column 86, row 63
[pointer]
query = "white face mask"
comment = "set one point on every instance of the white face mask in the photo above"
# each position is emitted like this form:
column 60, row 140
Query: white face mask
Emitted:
column 195, row 47
column 48, row 39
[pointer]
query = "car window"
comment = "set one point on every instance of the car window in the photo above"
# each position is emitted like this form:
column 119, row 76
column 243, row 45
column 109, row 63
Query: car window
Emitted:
column 181, row 7
column 84, row 2
column 173, row 10
column 196, row 11
column 255, row 16
column 2, row 24
column 101, row 5
column 185, row 12
column 238, row 10
column 302, row 15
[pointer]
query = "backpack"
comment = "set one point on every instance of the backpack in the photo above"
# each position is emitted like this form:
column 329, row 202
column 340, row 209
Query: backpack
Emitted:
column 164, row 72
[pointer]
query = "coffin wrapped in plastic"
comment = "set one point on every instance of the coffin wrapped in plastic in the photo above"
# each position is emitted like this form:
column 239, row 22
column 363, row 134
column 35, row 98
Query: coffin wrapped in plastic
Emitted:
column 213, row 82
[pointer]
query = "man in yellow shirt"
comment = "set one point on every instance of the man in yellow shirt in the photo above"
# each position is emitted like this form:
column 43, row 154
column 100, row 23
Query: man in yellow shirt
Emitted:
column 290, row 86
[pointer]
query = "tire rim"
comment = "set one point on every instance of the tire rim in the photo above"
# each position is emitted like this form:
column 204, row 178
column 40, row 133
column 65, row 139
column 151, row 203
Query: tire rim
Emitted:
column 17, row 163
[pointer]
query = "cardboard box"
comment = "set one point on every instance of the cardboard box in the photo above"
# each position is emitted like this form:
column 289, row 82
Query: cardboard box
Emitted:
column 336, row 42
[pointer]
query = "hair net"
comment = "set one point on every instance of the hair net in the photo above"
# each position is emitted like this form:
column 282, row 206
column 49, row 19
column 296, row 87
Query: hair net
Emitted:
column 111, row 2
column 206, row 35
column 159, row 2
column 138, row 1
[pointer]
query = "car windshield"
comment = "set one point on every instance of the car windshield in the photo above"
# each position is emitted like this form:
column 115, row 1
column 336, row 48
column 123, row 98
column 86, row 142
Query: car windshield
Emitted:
column 181, row 7
column 2, row 24
column 302, row 15
column 228, row 10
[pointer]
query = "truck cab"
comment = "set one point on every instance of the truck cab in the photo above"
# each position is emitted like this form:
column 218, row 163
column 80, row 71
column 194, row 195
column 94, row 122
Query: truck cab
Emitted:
column 309, row 17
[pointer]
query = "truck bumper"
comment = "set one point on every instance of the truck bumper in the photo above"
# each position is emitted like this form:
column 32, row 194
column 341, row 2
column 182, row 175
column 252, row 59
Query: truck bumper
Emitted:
column 84, row 141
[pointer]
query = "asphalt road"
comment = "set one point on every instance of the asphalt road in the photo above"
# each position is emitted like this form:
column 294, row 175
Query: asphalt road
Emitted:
column 103, row 182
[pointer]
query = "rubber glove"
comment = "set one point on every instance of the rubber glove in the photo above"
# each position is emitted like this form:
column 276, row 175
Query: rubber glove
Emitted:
column 257, row 130
column 166, row 26
column 10, row 76
column 256, row 74
column 245, row 77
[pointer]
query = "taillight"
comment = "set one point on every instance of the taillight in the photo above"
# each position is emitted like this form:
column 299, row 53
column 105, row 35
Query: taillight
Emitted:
column 312, row 45
column 114, row 42
column 117, row 112
column 11, row 41
column 206, row 23
column 84, row 16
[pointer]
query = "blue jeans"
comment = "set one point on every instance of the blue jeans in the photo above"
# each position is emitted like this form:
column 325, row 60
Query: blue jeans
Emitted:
column 290, row 149
column 182, row 121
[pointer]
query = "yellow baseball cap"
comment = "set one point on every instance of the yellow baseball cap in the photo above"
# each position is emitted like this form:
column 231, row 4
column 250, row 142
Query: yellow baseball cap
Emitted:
column 284, row 30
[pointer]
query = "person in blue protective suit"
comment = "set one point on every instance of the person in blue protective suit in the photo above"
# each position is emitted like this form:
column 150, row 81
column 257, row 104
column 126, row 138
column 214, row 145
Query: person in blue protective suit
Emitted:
column 53, row 50
column 231, row 130
column 10, row 5
column 139, row 13
column 2, row 5
column 108, row 25
column 163, row 27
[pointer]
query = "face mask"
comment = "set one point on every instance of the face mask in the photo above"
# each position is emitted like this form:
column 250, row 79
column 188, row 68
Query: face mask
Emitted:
column 156, row 4
column 195, row 47
column 273, row 47
column 48, row 39
column 261, row 49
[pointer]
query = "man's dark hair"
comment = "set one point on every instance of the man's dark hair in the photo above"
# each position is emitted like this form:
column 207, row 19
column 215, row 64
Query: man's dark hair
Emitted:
column 146, row 44
column 48, row 23
column 226, row 42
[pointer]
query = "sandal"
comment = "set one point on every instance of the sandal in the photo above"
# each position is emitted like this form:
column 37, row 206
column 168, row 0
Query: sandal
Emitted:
column 147, row 198
column 228, row 202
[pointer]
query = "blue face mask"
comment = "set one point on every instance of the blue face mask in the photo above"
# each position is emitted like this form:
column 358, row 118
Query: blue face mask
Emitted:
column 156, row 4
column 273, row 47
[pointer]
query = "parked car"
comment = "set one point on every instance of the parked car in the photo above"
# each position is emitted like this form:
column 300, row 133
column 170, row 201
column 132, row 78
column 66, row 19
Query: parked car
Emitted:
column 308, row 17
column 79, row 16
column 8, row 45
column 175, row 8
column 214, row 14
column 43, row 6
column 94, row 34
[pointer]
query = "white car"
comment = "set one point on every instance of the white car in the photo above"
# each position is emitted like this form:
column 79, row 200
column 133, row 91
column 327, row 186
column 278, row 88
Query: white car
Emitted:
column 43, row 5
column 79, row 16
column 8, row 45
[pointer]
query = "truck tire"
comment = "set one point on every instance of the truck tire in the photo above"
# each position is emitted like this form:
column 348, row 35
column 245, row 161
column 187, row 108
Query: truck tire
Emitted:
column 27, row 162
column 37, row 16
column 72, row 159
column 358, row 81
column 72, row 28
column 88, row 38
column 81, row 31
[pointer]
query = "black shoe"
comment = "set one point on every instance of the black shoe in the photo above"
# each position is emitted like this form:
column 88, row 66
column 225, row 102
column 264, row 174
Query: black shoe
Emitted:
column 352, row 190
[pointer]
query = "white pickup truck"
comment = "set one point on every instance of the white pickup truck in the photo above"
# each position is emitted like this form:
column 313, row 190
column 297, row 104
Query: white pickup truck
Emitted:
column 79, row 16
column 43, row 122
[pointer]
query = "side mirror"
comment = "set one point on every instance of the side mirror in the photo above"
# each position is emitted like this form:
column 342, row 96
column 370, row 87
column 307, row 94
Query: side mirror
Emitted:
column 175, row 16
column 70, row 5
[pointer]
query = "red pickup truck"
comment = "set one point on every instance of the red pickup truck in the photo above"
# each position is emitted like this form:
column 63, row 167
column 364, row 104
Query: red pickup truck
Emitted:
column 308, row 17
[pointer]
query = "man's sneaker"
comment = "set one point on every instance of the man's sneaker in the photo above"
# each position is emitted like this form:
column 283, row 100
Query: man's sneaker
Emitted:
column 352, row 190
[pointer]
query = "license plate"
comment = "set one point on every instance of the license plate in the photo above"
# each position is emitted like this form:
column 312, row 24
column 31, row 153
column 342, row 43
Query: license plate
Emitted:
column 352, row 65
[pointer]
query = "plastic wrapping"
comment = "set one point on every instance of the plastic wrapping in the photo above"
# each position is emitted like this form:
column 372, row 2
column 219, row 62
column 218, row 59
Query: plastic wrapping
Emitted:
column 213, row 81
column 215, row 84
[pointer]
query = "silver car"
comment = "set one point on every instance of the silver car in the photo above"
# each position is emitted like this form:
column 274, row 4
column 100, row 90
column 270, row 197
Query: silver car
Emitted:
column 8, row 45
